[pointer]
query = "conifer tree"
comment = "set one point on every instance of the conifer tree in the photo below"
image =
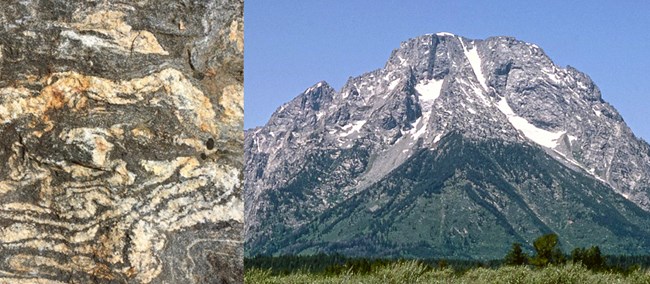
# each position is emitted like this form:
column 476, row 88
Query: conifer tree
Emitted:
column 516, row 256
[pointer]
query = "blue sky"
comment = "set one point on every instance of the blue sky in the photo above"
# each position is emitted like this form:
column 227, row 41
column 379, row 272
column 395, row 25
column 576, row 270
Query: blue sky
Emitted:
column 291, row 45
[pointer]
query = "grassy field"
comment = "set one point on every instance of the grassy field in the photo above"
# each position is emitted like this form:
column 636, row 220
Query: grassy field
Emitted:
column 414, row 272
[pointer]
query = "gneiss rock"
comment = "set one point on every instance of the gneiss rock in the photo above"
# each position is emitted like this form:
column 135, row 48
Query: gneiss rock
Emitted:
column 105, row 110
column 456, row 148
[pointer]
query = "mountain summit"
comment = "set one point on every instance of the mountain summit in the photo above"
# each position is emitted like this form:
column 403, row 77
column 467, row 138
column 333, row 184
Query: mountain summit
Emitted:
column 456, row 148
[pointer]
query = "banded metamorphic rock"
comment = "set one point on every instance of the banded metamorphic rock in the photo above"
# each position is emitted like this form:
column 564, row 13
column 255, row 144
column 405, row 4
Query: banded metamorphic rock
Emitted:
column 456, row 148
column 121, row 141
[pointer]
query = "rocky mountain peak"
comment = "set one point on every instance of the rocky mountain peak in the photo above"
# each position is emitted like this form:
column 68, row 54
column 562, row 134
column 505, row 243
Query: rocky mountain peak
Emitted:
column 317, row 96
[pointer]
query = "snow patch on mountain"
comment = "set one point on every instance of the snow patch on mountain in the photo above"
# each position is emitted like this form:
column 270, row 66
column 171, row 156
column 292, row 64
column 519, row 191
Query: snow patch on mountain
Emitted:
column 572, row 138
column 420, row 126
column 352, row 128
column 429, row 90
column 445, row 34
column 475, row 62
column 394, row 84
column 540, row 136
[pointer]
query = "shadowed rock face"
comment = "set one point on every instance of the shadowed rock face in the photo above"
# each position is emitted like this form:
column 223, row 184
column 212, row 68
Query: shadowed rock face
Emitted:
column 121, row 141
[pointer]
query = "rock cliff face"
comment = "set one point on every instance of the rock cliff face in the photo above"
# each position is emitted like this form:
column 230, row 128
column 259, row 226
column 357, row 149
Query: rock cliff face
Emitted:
column 121, row 141
column 340, row 154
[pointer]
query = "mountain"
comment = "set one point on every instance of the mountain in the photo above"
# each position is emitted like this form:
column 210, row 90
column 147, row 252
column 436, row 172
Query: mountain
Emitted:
column 456, row 148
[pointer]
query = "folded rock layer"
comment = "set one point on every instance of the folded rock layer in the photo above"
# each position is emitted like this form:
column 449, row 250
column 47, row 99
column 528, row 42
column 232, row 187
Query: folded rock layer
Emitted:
column 121, row 141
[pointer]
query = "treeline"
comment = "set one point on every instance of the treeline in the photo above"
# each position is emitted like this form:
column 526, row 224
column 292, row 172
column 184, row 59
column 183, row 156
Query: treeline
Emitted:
column 547, row 252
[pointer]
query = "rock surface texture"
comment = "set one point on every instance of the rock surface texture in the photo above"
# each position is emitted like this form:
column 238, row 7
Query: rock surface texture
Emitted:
column 121, row 141
column 411, row 160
